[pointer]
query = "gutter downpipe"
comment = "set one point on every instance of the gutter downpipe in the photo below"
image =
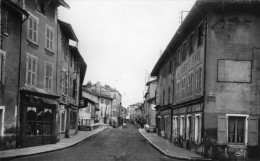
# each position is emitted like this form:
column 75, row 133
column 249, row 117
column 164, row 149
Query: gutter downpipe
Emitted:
column 204, row 83
column 18, row 132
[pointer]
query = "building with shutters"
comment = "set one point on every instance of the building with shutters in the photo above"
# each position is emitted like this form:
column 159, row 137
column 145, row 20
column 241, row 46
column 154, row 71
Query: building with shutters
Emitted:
column 207, row 94
column 149, row 102
column 33, row 103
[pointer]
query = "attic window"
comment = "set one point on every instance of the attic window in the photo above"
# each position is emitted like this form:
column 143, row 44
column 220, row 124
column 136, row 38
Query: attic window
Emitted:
column 40, row 6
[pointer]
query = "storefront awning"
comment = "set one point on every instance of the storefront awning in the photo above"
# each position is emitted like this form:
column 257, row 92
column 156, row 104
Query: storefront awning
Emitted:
column 39, row 92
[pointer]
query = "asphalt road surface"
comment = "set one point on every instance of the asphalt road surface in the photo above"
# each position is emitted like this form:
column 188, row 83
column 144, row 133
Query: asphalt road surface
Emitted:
column 112, row 144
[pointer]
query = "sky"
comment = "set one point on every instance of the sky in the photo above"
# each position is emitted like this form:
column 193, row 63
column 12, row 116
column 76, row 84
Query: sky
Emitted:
column 121, row 40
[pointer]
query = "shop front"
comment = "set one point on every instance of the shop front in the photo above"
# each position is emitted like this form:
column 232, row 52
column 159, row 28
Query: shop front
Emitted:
column 37, row 118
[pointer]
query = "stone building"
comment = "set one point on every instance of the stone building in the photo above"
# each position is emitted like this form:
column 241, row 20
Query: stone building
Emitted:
column 149, row 103
column 207, row 93
column 10, row 53
column 36, row 73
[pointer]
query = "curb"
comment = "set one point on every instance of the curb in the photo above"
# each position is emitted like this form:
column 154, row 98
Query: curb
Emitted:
column 52, row 150
column 171, row 156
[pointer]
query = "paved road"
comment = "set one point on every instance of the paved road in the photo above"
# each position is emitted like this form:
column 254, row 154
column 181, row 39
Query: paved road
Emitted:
column 109, row 145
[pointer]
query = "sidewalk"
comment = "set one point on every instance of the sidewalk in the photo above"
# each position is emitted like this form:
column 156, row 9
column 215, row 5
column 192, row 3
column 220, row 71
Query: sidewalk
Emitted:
column 168, row 149
column 65, row 143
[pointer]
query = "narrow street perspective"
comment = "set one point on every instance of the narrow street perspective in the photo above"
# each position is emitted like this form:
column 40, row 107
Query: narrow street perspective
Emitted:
column 112, row 144
column 129, row 80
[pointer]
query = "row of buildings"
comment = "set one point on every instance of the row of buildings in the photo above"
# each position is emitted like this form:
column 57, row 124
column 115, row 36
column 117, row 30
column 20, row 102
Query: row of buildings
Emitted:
column 102, row 104
column 207, row 87
column 41, row 74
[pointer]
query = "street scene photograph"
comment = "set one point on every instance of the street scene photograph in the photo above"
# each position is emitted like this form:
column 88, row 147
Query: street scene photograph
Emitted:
column 129, row 80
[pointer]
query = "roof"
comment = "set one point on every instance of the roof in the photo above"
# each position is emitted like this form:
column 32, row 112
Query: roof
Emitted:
column 151, row 81
column 136, row 104
column 194, row 16
column 16, row 7
column 67, row 30
column 63, row 3
column 83, row 65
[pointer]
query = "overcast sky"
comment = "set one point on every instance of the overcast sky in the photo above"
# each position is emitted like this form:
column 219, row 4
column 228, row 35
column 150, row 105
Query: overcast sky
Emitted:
column 121, row 40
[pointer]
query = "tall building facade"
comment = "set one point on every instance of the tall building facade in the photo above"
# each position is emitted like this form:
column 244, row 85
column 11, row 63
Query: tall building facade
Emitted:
column 207, row 95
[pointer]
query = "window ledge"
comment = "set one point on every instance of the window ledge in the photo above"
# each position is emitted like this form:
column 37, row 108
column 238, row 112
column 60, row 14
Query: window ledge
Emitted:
column 49, row 52
column 32, row 44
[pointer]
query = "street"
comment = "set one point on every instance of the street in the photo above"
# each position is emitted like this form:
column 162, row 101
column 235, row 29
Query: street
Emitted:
column 111, row 144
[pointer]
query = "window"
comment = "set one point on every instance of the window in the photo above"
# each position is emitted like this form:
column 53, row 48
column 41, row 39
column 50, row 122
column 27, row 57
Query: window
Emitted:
column 33, row 29
column 188, row 127
column 182, row 126
column 49, row 38
column 31, row 70
column 75, row 88
column 70, row 86
column 175, row 125
column 40, row 6
column 114, row 113
column 191, row 44
column 236, row 130
column 170, row 68
column 199, row 78
column 163, row 99
column 178, row 90
column 169, row 95
column 200, row 34
column 4, row 22
column 197, row 128
column 2, row 114
column 183, row 86
column 184, row 51
column 179, row 56
column 65, row 82
column 38, row 121
column 2, row 67
column 73, row 119
column 63, row 120
column 48, row 76
column 190, row 83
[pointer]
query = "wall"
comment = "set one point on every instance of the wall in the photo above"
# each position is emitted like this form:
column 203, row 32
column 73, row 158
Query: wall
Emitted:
column 237, row 40
column 9, row 92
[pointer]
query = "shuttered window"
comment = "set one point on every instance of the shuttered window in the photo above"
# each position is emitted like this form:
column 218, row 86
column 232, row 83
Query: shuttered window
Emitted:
column 222, row 130
column 48, row 76
column 32, row 34
column 253, row 131
column 31, row 70
column 49, row 38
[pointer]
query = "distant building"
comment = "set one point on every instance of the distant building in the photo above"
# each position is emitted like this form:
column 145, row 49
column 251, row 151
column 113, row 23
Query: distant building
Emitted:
column 149, row 103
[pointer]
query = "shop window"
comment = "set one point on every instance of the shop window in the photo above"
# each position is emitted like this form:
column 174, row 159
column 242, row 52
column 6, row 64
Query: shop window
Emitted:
column 73, row 119
column 38, row 121
column 182, row 126
column 175, row 125
column 2, row 67
column 197, row 128
column 31, row 70
column 33, row 29
column 188, row 127
column 2, row 114
column 63, row 120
